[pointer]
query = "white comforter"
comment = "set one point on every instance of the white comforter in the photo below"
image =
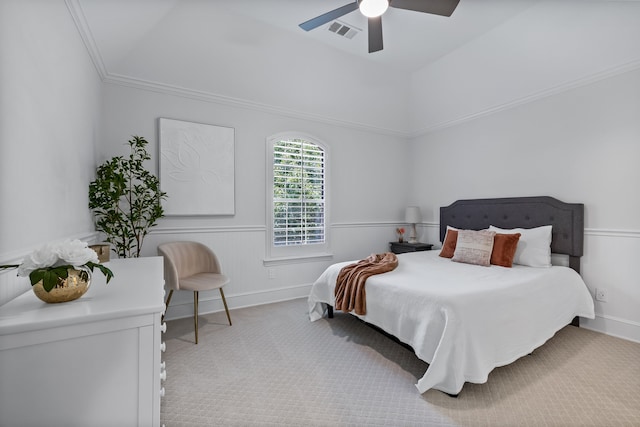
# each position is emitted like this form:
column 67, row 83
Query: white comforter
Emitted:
column 464, row 320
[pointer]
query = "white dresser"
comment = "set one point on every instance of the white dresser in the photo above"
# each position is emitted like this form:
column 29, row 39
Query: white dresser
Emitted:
column 95, row 361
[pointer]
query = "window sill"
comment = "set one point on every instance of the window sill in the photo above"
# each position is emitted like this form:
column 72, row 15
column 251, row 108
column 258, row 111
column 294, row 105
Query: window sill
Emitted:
column 268, row 262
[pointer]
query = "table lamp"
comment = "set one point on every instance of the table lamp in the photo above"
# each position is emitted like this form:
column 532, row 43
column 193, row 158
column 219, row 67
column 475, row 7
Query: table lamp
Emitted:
column 412, row 217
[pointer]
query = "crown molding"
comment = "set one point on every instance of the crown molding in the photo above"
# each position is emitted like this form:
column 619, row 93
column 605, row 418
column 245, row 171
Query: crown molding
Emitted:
column 198, row 95
column 79, row 18
column 168, row 89
column 573, row 84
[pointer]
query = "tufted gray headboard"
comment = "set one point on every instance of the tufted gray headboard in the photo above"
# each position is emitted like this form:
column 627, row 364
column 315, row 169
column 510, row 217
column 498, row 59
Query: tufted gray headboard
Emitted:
column 566, row 219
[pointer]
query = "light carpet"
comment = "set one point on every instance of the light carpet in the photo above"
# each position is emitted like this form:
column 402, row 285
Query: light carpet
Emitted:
column 274, row 367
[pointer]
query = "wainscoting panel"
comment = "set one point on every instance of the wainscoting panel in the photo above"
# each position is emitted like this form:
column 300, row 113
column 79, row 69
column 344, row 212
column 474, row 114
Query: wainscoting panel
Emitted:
column 241, row 251
column 12, row 286
column 609, row 263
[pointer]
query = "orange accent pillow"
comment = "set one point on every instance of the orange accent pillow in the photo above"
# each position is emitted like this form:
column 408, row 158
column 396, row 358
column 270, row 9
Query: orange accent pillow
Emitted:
column 504, row 249
column 449, row 245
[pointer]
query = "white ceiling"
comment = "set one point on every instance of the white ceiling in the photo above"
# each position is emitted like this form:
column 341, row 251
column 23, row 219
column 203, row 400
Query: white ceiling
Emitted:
column 433, row 72
column 411, row 39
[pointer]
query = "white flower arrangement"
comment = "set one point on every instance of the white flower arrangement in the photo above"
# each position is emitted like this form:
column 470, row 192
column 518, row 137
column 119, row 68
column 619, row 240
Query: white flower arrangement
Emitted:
column 50, row 262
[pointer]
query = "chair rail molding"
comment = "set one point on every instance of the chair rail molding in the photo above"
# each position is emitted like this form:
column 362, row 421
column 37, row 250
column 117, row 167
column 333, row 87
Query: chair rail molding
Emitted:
column 208, row 229
column 15, row 256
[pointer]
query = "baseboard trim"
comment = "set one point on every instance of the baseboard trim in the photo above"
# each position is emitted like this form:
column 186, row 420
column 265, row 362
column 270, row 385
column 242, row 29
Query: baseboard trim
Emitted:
column 213, row 304
column 614, row 326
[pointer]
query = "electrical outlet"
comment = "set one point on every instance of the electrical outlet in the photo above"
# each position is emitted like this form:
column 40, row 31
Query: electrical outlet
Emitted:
column 601, row 295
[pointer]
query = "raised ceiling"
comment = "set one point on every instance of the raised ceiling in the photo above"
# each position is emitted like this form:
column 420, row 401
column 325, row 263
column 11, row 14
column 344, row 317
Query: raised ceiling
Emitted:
column 411, row 39
column 433, row 72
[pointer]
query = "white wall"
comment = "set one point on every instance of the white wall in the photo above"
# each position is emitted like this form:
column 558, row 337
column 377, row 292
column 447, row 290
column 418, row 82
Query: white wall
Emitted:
column 49, row 113
column 367, row 192
column 581, row 145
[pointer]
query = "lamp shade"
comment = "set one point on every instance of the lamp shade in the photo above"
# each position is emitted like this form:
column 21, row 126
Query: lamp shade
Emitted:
column 412, row 215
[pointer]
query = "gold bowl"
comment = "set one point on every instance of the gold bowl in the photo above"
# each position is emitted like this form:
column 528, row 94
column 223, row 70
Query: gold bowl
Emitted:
column 69, row 289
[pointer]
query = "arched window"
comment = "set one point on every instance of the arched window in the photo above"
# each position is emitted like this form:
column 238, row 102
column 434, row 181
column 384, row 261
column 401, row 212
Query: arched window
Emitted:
column 296, row 196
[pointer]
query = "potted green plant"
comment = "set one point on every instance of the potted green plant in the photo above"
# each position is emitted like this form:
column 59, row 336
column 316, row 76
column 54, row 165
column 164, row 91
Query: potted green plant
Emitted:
column 126, row 200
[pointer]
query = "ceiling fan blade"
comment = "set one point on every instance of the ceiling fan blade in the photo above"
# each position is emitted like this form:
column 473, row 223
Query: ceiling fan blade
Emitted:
column 435, row 7
column 329, row 16
column 375, row 34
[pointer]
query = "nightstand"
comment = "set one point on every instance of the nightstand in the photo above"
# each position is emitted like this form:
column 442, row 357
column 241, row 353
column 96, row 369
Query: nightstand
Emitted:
column 400, row 248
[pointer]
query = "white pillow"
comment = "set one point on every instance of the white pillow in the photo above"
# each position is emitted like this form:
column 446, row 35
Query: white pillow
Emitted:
column 534, row 246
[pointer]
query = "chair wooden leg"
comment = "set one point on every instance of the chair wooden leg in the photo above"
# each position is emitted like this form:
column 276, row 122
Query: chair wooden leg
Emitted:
column 166, row 305
column 195, row 313
column 224, row 301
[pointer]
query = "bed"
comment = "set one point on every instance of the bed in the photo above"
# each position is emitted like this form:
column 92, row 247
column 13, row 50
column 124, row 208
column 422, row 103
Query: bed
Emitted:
column 465, row 320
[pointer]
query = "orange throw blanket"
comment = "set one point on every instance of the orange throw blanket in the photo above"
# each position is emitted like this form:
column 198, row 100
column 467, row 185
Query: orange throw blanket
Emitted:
column 350, row 294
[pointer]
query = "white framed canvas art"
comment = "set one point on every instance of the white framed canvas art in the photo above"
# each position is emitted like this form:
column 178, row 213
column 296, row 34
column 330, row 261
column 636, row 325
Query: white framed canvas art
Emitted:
column 197, row 168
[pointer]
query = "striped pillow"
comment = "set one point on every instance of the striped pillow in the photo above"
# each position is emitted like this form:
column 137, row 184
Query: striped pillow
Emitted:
column 474, row 247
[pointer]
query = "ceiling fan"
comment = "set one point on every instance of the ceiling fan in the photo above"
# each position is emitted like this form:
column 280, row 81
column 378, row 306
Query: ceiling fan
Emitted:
column 373, row 10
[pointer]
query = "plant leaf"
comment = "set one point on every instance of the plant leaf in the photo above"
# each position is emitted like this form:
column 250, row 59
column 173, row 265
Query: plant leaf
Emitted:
column 49, row 276
column 107, row 272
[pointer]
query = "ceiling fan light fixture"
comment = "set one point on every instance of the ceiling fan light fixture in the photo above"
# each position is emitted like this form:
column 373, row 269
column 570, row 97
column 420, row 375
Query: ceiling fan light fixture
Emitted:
column 373, row 8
